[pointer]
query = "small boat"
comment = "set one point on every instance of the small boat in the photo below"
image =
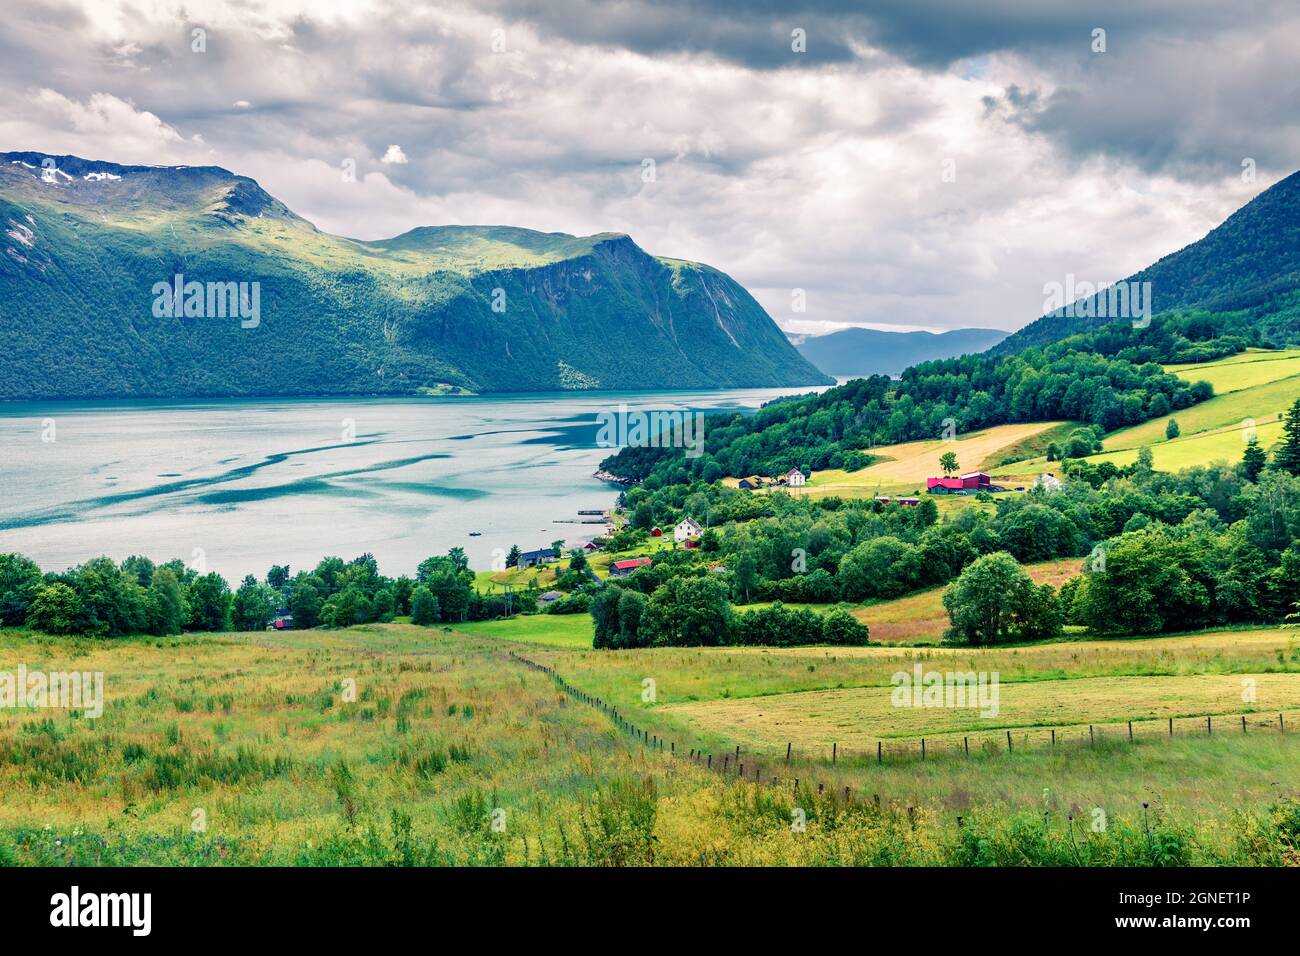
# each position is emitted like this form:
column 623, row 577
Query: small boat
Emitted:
column 476, row 534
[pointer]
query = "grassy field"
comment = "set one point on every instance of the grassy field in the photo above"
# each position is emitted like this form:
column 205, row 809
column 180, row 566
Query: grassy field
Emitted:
column 1255, row 386
column 1245, row 370
column 906, row 466
column 858, row 717
column 555, row 630
column 1186, row 451
column 394, row 744
column 722, row 677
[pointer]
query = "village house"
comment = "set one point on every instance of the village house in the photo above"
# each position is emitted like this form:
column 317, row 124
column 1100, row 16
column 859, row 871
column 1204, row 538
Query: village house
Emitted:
column 548, row 597
column 752, row 483
column 529, row 558
column 686, row 528
column 620, row 568
column 795, row 479
column 1048, row 482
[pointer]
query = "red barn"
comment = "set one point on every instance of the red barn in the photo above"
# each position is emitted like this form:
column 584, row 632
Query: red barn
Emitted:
column 627, row 566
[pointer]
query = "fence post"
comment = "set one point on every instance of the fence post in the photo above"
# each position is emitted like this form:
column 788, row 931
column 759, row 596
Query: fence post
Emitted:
column 1053, row 736
column 1008, row 741
column 710, row 765
column 1130, row 730
column 1092, row 740
column 880, row 752
column 1281, row 728
column 1209, row 726
column 966, row 742
column 1171, row 726
column 834, row 752
column 1243, row 723
column 922, row 748
column 787, row 752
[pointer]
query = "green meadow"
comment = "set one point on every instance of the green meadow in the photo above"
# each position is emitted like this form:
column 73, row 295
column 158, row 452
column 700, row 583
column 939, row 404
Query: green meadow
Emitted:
column 395, row 744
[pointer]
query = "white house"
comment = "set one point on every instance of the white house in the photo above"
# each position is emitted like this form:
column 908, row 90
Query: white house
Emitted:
column 794, row 478
column 686, row 529
column 1048, row 482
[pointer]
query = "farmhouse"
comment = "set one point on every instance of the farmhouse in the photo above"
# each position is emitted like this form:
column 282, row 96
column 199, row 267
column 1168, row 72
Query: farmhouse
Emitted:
column 620, row 568
column 529, row 558
column 548, row 597
column 686, row 529
column 968, row 484
column 1048, row 482
column 795, row 479
column 752, row 483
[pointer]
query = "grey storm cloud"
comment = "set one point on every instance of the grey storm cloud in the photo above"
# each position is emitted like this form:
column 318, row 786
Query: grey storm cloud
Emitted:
column 822, row 171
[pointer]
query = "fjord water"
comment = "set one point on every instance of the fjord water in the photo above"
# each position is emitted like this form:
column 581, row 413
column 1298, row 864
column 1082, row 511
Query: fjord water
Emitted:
column 243, row 484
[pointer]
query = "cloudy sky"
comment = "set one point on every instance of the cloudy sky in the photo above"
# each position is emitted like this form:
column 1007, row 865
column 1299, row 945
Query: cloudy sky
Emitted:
column 916, row 164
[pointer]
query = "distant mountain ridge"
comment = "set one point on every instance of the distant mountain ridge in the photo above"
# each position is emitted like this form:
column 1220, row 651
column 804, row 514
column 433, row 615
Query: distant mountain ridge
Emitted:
column 856, row 352
column 1250, row 264
column 85, row 245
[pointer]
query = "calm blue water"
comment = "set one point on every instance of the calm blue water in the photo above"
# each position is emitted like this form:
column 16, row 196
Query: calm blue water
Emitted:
column 250, row 483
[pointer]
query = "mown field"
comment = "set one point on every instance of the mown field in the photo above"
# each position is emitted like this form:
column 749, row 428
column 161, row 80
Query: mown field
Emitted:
column 906, row 466
column 450, row 752
column 1253, row 387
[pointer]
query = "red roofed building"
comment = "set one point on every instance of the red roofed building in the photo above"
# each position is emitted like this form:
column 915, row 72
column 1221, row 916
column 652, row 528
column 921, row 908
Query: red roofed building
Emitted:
column 975, row 479
column 620, row 568
column 941, row 486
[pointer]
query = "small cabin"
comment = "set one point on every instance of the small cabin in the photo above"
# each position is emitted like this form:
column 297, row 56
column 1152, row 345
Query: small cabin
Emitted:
column 620, row 568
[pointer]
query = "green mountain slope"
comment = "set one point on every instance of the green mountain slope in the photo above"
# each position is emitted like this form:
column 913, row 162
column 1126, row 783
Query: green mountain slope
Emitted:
column 1249, row 265
column 83, row 244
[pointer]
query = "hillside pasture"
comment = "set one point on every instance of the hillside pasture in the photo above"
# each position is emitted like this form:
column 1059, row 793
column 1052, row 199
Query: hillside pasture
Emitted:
column 907, row 466
column 1244, row 370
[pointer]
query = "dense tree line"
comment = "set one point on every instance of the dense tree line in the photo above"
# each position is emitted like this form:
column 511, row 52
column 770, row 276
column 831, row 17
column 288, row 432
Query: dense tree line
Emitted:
column 102, row 598
column 1087, row 378
column 695, row 611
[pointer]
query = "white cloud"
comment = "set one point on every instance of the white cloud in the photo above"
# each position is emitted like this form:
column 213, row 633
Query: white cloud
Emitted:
column 824, row 175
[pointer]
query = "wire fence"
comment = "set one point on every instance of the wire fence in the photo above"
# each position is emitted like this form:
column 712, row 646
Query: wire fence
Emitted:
column 764, row 767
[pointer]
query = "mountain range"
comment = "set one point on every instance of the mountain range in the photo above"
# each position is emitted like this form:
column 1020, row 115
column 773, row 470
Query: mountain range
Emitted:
column 854, row 353
column 124, row 281
column 1249, row 264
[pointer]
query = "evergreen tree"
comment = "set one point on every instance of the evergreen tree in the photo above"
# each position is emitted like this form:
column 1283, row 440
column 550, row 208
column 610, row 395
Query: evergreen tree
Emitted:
column 1253, row 460
column 1287, row 457
column 1172, row 430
